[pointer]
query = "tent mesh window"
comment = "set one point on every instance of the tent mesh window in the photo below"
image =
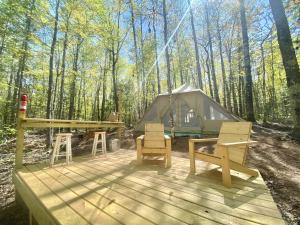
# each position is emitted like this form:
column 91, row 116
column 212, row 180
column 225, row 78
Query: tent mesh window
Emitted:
column 188, row 116
column 215, row 114
column 166, row 118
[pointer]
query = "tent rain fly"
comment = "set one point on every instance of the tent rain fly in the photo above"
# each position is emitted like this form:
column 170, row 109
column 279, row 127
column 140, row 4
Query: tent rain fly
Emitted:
column 193, row 112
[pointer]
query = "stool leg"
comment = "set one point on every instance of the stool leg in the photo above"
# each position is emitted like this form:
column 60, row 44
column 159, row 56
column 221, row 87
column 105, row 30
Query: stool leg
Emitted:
column 95, row 145
column 70, row 148
column 59, row 141
column 67, row 150
column 54, row 153
column 104, row 144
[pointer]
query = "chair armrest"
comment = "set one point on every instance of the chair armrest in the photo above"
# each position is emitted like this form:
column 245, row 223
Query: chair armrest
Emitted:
column 204, row 140
column 237, row 143
column 139, row 142
column 140, row 137
column 167, row 137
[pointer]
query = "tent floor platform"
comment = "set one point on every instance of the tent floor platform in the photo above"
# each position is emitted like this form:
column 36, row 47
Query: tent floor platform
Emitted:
column 115, row 190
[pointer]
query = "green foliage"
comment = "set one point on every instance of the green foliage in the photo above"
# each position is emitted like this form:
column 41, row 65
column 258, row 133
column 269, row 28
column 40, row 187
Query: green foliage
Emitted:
column 105, row 29
column 7, row 132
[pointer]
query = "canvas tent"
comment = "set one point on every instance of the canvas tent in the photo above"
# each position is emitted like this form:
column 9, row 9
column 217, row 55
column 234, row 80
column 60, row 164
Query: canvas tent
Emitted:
column 193, row 112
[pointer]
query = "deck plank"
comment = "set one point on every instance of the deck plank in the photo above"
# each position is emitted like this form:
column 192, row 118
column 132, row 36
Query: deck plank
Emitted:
column 104, row 190
column 244, row 211
column 114, row 190
column 189, row 207
column 164, row 203
column 215, row 182
column 55, row 205
column 102, row 203
column 74, row 201
column 233, row 199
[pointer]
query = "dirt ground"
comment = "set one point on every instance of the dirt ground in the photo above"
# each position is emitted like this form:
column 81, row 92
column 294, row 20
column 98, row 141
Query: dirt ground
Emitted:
column 276, row 156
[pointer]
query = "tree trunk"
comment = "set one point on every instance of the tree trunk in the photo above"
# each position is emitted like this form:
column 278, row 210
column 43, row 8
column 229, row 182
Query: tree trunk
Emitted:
column 22, row 63
column 63, row 68
column 180, row 63
column 78, row 114
column 156, row 54
column 247, row 63
column 56, row 86
column 213, row 72
column 144, row 86
column 2, row 44
column 199, row 75
column 50, row 81
column 167, row 47
column 9, row 95
column 74, row 77
column 231, row 83
column 208, row 74
column 84, row 100
column 136, row 55
column 171, row 121
column 222, row 63
column 240, row 85
column 174, row 74
column 51, row 60
column 263, row 82
column 104, row 88
column 274, row 105
column 114, row 74
column 289, row 60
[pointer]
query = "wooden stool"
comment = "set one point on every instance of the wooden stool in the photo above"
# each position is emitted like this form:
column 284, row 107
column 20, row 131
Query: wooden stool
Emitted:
column 62, row 138
column 97, row 140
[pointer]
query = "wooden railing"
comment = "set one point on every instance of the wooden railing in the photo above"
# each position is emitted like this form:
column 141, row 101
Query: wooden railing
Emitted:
column 24, row 123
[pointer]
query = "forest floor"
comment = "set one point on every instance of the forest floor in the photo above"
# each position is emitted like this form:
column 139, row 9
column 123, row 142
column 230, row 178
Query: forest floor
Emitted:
column 276, row 156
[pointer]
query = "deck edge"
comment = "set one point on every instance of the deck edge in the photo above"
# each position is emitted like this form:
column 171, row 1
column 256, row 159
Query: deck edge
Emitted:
column 35, row 206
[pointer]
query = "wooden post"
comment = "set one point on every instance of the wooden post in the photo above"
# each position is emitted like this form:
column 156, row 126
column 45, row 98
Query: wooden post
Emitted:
column 20, row 140
column 20, row 132
column 120, row 132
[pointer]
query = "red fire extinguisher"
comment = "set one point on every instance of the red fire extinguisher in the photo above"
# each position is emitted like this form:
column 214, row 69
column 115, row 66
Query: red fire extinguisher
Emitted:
column 23, row 105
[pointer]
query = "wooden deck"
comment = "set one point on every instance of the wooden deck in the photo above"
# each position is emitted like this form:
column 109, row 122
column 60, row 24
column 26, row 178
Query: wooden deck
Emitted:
column 114, row 190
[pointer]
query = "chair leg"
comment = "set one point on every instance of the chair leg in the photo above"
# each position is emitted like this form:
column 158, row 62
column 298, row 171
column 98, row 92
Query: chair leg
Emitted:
column 192, row 158
column 139, row 152
column 226, row 168
column 168, row 160
column 226, row 176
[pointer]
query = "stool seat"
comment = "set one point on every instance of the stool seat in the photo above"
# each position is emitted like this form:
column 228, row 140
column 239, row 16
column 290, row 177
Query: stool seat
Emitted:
column 61, row 139
column 102, row 140
column 64, row 134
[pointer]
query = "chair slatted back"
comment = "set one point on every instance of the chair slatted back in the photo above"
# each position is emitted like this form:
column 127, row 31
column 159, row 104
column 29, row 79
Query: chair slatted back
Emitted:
column 235, row 132
column 154, row 135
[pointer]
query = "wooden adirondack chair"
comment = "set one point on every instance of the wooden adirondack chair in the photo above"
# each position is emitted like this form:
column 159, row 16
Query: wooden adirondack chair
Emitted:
column 154, row 143
column 230, row 152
